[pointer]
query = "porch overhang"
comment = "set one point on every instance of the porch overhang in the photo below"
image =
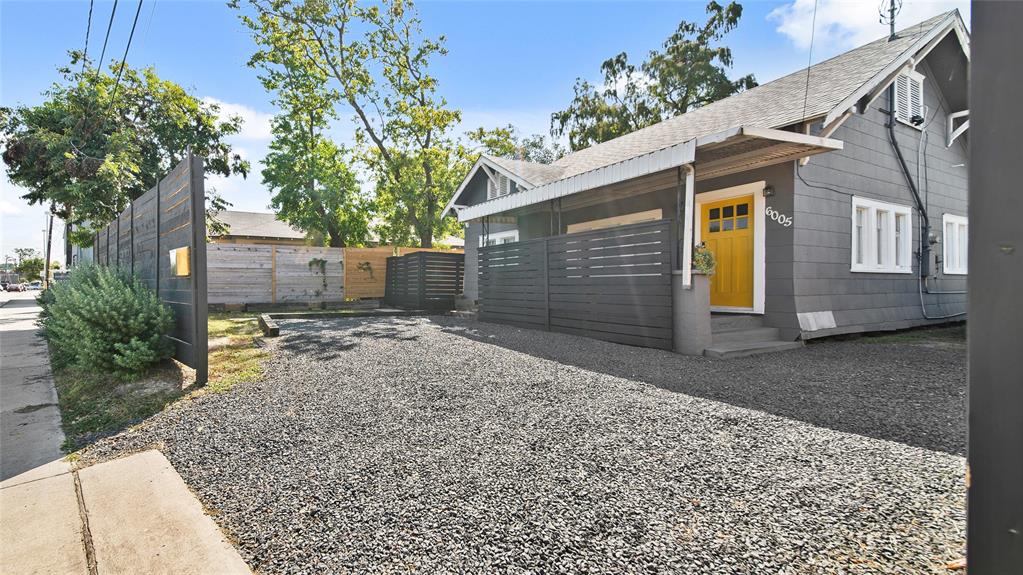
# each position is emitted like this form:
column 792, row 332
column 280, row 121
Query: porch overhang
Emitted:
column 727, row 152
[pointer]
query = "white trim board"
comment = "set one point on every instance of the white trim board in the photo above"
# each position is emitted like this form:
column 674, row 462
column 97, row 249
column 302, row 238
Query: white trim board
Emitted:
column 756, row 189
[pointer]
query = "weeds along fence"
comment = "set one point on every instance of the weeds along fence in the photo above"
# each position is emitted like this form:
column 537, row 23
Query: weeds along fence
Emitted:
column 425, row 280
column 161, row 238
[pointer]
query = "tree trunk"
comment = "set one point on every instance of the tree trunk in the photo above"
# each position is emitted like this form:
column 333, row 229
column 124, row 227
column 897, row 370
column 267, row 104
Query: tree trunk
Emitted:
column 426, row 240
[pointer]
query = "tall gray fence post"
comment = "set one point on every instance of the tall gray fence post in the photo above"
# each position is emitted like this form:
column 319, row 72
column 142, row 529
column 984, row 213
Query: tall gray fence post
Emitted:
column 547, row 283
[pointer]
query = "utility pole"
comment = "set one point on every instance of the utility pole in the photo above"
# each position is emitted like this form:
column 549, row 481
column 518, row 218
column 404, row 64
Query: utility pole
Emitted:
column 46, row 252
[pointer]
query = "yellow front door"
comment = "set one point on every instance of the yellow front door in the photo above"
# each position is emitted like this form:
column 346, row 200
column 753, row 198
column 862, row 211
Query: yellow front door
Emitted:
column 727, row 231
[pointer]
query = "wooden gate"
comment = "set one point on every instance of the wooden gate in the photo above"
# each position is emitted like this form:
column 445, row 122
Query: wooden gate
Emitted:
column 612, row 284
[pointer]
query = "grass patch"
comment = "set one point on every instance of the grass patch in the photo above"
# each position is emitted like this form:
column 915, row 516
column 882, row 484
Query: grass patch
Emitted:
column 95, row 405
column 234, row 357
column 943, row 334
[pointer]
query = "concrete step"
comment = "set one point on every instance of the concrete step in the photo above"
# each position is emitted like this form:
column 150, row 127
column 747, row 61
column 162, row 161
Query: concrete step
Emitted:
column 746, row 335
column 730, row 350
column 726, row 321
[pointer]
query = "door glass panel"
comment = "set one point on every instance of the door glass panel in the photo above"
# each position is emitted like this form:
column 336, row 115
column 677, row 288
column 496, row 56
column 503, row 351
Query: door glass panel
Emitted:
column 715, row 213
column 726, row 225
column 741, row 223
column 715, row 226
column 742, row 209
column 727, row 212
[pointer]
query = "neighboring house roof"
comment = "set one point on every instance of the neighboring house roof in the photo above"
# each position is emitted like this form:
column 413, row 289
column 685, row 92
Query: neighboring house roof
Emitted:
column 257, row 225
column 834, row 86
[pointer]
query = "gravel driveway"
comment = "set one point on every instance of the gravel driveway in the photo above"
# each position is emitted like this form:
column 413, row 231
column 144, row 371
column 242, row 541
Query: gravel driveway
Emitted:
column 438, row 445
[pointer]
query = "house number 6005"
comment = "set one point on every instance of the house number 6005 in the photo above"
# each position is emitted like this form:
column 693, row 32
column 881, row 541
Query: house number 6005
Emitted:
column 778, row 216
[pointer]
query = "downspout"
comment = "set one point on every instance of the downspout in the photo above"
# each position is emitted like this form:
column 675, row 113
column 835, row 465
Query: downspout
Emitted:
column 924, row 255
column 925, row 228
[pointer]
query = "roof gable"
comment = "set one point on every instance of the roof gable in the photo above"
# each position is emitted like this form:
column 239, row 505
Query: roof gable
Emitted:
column 829, row 88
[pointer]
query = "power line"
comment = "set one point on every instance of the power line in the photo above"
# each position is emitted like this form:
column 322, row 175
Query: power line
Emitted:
column 124, row 58
column 110, row 26
column 88, row 29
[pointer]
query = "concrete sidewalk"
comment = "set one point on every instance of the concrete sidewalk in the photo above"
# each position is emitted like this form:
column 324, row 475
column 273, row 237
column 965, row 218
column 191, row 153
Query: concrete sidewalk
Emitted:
column 30, row 432
column 130, row 515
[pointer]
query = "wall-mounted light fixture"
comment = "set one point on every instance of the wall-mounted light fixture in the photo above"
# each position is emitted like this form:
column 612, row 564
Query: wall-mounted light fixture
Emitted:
column 768, row 191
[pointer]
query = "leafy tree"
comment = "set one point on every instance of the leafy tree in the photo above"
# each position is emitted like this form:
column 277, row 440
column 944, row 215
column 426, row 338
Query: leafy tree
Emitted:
column 689, row 72
column 24, row 253
column 30, row 268
column 102, row 139
column 374, row 63
column 507, row 143
column 313, row 185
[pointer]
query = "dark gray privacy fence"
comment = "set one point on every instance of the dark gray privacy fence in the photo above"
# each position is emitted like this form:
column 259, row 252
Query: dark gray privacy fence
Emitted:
column 612, row 284
column 424, row 280
column 161, row 238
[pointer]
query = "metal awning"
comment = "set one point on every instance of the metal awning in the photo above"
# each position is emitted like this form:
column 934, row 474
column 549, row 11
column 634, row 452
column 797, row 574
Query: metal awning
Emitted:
column 727, row 152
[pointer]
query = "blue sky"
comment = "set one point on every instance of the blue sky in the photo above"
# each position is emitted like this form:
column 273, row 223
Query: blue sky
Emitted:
column 508, row 62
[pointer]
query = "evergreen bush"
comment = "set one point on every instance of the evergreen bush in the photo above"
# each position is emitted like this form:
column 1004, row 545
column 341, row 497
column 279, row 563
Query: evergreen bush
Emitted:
column 105, row 319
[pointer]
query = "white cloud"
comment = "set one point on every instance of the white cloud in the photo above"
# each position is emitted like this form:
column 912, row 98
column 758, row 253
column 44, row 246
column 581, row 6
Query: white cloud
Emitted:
column 844, row 24
column 255, row 124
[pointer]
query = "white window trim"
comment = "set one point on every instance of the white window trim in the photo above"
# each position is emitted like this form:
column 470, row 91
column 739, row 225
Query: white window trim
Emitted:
column 513, row 234
column 957, row 221
column 756, row 189
column 917, row 77
column 869, row 264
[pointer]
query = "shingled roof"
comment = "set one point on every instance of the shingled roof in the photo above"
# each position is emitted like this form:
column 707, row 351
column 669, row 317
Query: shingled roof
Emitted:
column 776, row 104
column 257, row 225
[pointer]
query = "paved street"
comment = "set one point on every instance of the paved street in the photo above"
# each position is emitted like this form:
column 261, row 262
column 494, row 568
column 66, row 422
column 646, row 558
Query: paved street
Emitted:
column 30, row 432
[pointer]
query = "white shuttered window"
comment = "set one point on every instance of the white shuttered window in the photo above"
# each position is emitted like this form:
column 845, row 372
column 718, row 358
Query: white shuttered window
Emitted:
column 909, row 97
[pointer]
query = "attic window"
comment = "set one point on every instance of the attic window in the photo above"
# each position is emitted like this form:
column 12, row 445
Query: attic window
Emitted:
column 497, row 186
column 909, row 99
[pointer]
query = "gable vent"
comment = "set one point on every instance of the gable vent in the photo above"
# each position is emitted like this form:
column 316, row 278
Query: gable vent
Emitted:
column 909, row 97
column 498, row 188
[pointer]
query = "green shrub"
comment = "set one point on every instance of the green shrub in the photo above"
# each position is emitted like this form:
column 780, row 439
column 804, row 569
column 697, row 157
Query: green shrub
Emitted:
column 106, row 320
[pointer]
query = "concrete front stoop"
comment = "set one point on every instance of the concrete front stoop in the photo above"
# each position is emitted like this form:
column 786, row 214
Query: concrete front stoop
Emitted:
column 129, row 515
column 744, row 335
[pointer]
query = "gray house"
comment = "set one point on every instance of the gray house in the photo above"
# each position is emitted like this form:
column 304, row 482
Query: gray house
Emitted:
column 834, row 199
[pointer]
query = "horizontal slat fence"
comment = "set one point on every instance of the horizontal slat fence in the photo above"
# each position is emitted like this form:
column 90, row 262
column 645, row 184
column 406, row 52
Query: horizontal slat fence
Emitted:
column 268, row 274
column 424, row 280
column 612, row 284
column 142, row 239
column 366, row 269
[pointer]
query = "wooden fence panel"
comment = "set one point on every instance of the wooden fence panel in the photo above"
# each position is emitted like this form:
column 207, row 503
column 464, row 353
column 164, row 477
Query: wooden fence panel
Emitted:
column 612, row 284
column 366, row 269
column 268, row 274
column 142, row 239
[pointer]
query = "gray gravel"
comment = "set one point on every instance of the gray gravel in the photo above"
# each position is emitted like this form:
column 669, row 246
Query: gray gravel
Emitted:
column 415, row 444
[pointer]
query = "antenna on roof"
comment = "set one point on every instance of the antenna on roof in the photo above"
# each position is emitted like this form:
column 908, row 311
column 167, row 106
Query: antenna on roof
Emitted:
column 888, row 10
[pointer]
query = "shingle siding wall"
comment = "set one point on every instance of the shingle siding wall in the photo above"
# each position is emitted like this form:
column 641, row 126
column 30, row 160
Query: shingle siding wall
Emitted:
column 822, row 232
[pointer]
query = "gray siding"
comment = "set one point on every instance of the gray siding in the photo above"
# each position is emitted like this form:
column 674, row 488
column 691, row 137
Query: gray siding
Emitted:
column 867, row 167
